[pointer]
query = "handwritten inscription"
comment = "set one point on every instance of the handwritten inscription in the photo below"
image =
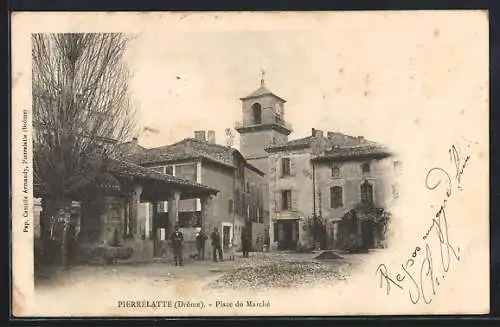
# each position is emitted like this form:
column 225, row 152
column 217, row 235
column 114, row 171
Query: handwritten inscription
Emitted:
column 426, row 268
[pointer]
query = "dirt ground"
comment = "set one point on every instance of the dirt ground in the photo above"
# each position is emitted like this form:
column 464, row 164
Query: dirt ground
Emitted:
column 165, row 270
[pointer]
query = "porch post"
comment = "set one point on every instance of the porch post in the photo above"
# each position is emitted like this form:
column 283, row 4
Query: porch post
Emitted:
column 135, row 199
column 173, row 208
column 207, row 210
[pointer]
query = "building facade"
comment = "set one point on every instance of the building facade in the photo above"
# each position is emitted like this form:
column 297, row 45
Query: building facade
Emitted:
column 326, row 177
column 240, row 200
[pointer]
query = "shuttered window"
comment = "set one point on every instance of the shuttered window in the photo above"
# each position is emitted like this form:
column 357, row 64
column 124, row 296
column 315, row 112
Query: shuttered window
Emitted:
column 335, row 171
column 336, row 196
column 366, row 193
column 237, row 204
column 365, row 168
column 285, row 167
column 286, row 200
column 186, row 171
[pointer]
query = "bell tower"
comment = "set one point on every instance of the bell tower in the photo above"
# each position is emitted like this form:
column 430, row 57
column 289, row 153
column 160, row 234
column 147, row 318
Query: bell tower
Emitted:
column 263, row 125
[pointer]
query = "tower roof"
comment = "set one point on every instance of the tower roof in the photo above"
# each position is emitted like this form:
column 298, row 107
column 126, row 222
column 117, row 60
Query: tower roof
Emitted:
column 261, row 91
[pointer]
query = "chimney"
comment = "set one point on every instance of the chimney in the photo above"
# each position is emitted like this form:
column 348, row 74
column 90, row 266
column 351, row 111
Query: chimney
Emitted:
column 313, row 132
column 200, row 135
column 211, row 137
column 361, row 138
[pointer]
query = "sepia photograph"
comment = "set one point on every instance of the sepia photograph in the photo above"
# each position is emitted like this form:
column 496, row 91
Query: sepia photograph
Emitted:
column 244, row 163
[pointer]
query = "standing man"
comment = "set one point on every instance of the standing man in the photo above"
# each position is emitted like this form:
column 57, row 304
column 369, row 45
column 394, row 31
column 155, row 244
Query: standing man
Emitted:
column 246, row 241
column 216, row 244
column 200, row 244
column 177, row 243
column 267, row 240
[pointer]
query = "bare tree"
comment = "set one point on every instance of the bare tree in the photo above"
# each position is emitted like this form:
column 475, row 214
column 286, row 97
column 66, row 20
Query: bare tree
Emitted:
column 81, row 109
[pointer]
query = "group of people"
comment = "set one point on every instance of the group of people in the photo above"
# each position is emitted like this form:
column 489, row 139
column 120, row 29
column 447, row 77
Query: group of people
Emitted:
column 201, row 238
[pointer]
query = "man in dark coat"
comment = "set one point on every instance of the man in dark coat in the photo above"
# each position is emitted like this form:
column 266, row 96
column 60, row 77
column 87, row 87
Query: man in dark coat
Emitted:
column 177, row 243
column 201, row 238
column 246, row 241
column 216, row 244
column 267, row 240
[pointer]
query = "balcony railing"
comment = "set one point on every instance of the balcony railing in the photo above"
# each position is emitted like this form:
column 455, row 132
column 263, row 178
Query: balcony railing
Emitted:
column 276, row 120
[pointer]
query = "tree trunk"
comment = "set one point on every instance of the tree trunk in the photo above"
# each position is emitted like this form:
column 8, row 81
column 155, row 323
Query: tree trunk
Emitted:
column 56, row 219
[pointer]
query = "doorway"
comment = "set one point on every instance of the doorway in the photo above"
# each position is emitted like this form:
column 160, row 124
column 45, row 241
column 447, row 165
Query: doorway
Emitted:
column 367, row 234
column 227, row 235
column 288, row 234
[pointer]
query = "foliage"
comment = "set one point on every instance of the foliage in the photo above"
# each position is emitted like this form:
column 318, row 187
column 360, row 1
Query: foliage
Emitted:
column 362, row 212
column 316, row 227
column 81, row 107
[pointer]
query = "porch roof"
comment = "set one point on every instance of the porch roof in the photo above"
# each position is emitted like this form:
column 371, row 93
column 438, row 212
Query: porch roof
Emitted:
column 158, row 186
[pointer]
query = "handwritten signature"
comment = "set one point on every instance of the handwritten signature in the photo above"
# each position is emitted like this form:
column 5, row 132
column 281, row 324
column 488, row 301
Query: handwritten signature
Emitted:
column 420, row 276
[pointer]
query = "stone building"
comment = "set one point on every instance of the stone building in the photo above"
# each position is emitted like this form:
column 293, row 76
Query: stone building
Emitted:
column 263, row 124
column 240, row 199
column 326, row 177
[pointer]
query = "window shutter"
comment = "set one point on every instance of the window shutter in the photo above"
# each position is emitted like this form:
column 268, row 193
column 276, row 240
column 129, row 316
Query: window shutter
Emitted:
column 292, row 201
column 277, row 201
column 366, row 192
column 292, row 167
column 332, row 197
column 243, row 205
column 336, row 196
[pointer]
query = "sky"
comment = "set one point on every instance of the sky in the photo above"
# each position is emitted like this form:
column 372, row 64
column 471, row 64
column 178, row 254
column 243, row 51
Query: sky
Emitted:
column 336, row 76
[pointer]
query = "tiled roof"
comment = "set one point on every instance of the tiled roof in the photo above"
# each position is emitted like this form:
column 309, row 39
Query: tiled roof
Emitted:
column 260, row 92
column 190, row 148
column 186, row 149
column 334, row 139
column 119, row 167
column 129, row 148
column 124, row 168
column 345, row 152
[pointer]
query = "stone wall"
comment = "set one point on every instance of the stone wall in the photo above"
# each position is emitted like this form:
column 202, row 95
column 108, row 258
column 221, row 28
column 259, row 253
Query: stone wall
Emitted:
column 253, row 144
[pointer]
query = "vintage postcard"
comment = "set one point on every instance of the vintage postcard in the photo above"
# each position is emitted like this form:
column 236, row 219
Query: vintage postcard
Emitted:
column 250, row 163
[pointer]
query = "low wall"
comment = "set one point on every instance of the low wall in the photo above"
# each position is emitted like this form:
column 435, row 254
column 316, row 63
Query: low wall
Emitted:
column 142, row 250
